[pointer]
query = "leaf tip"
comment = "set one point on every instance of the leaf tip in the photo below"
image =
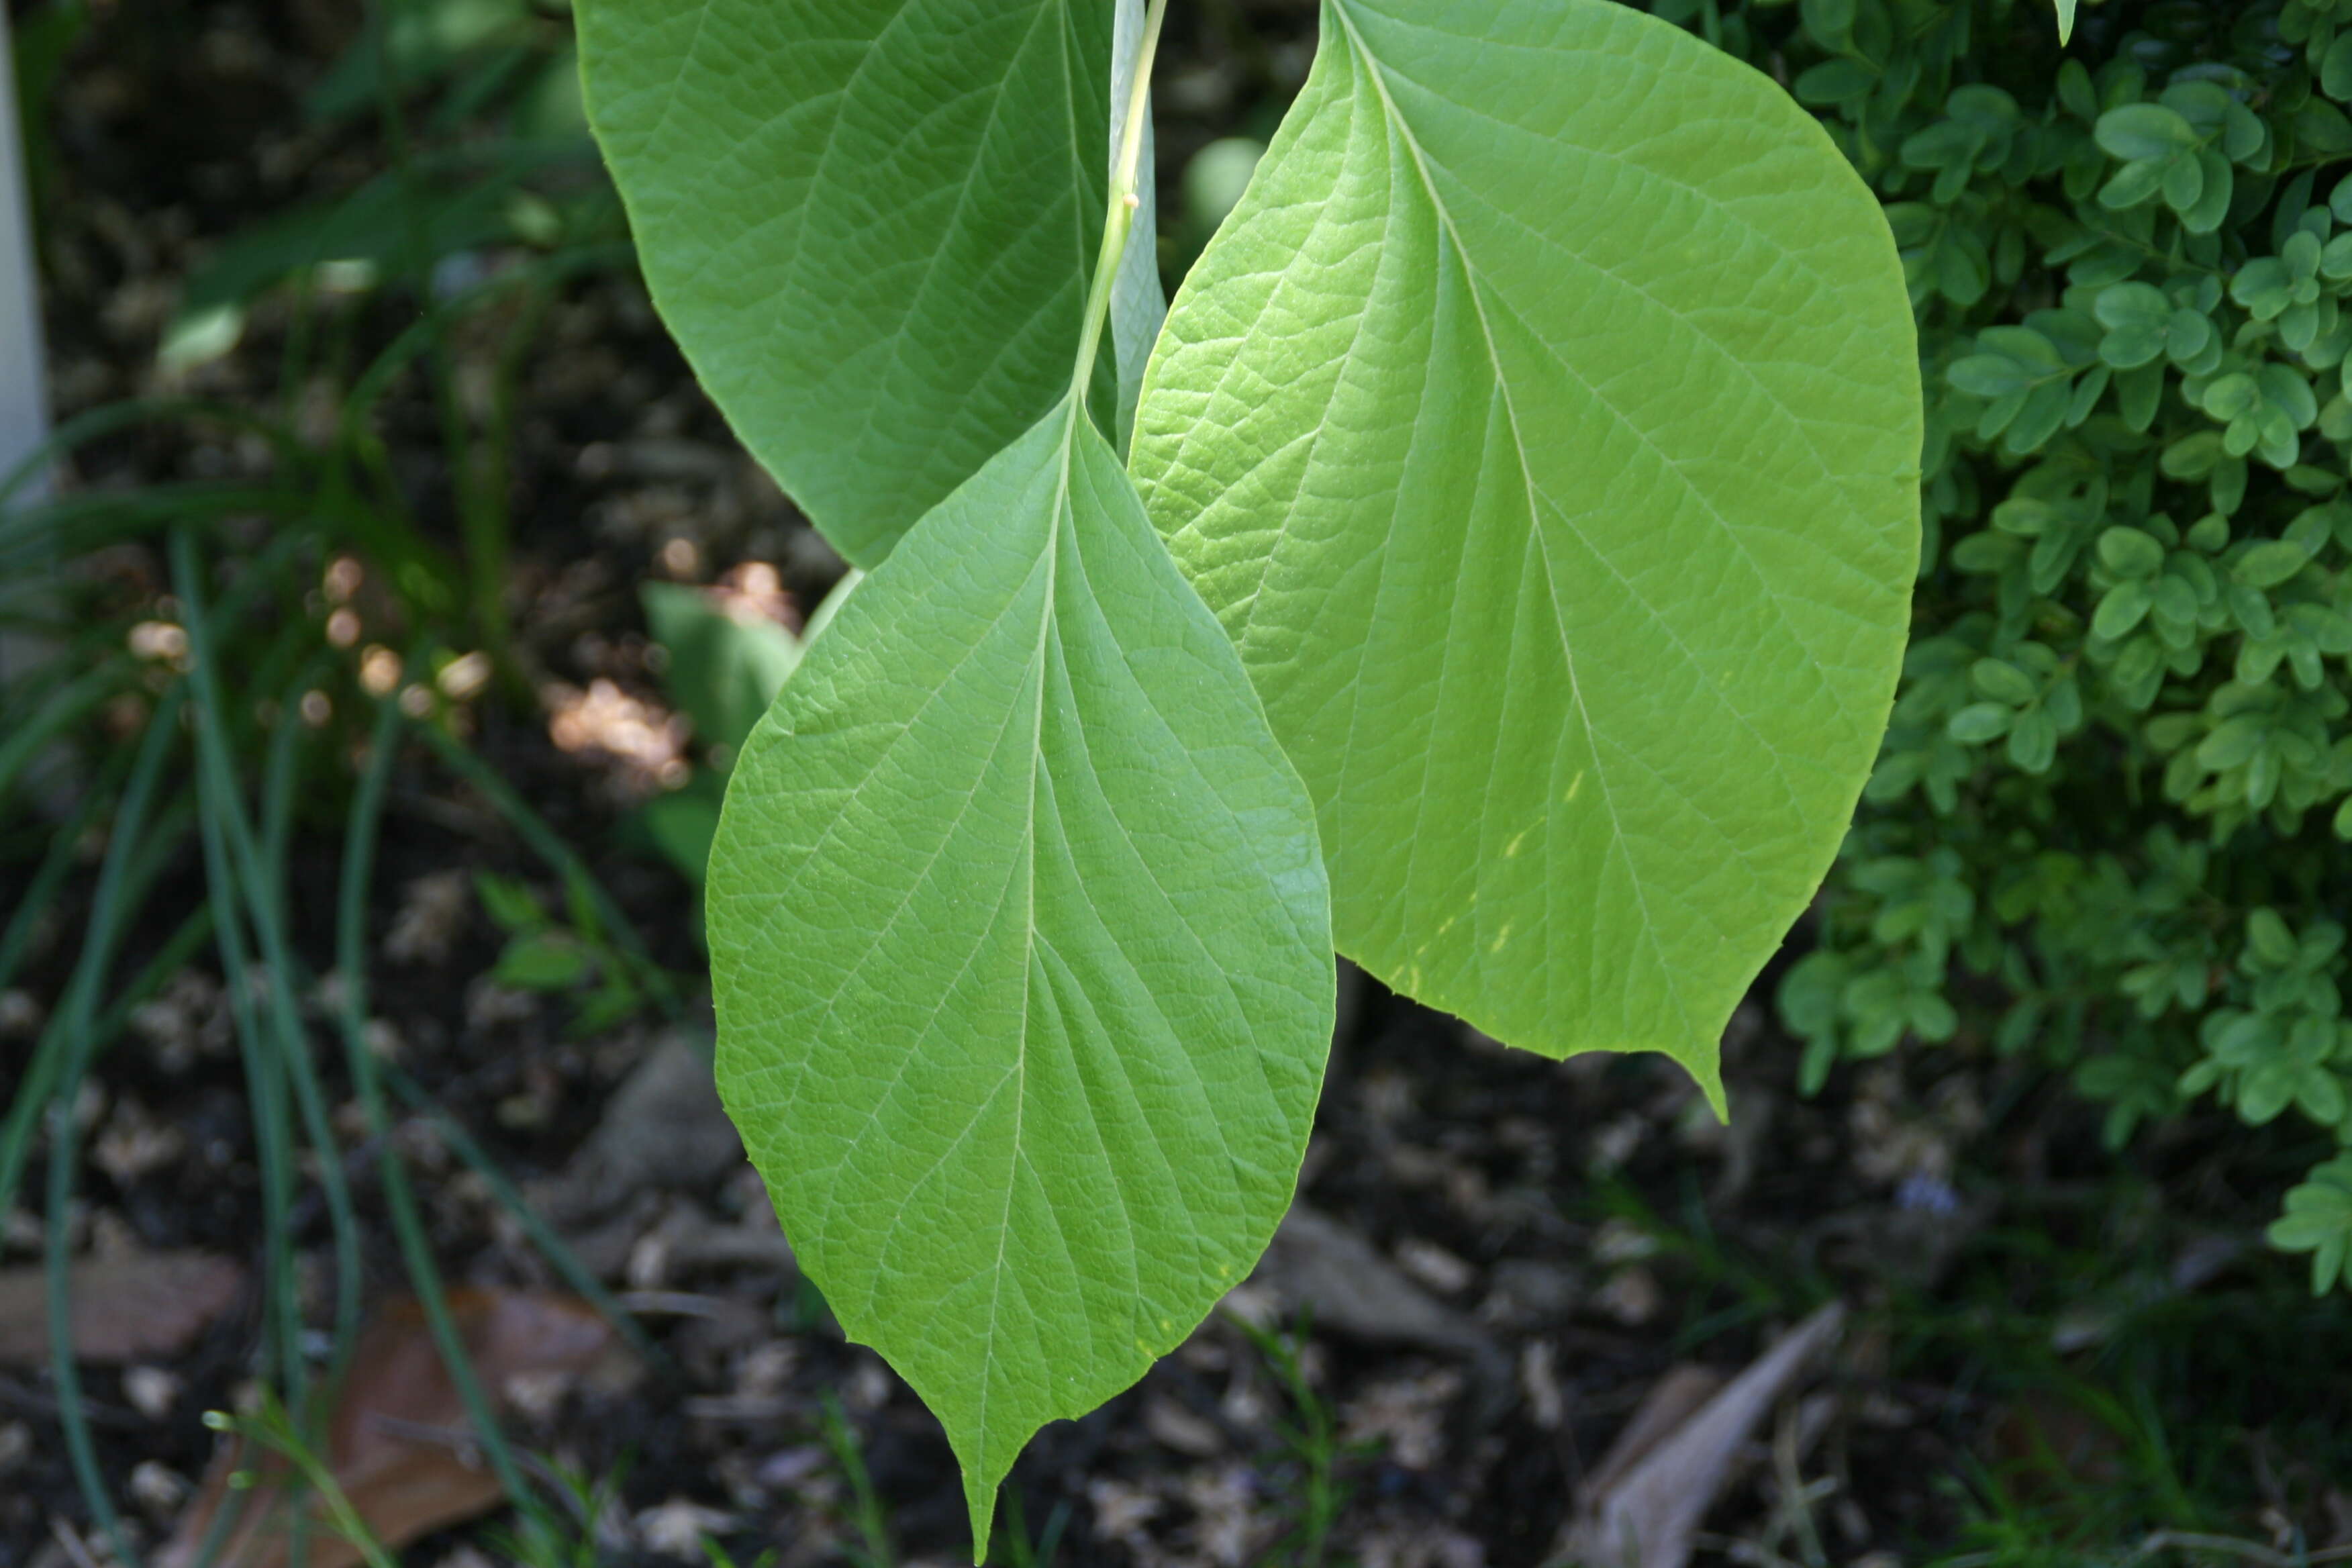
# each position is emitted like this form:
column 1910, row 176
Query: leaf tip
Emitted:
column 1704, row 1064
column 1711, row 1085
column 980, row 1496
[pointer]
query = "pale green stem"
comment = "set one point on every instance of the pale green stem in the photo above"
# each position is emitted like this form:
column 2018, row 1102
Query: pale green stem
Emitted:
column 1120, row 221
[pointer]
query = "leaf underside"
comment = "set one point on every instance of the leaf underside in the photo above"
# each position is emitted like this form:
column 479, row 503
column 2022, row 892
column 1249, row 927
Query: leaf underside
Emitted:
column 868, row 223
column 1544, row 427
column 1022, row 953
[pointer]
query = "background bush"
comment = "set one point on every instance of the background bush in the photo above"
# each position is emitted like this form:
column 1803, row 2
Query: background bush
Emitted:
column 2106, row 830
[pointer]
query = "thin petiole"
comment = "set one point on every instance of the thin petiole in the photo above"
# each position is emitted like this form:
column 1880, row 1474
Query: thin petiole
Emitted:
column 1118, row 221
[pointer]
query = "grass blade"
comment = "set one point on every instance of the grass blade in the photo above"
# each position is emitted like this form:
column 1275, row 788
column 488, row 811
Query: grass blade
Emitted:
column 544, row 842
column 241, row 874
column 108, row 919
column 351, row 963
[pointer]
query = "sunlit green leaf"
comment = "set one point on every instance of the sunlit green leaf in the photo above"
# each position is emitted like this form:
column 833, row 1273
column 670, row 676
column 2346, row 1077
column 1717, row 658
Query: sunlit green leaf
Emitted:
column 1021, row 941
column 2318, row 1220
column 1544, row 426
column 509, row 904
column 869, row 223
column 546, row 960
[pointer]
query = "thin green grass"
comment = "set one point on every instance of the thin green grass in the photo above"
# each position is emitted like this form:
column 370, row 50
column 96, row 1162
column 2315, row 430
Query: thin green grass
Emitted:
column 1310, row 1440
column 26, row 1110
column 263, row 896
column 340, row 493
column 872, row 1548
column 408, row 1225
column 15, row 941
column 108, row 922
column 272, row 1428
column 1012, row 1530
column 65, row 709
column 553, row 1248
column 549, row 846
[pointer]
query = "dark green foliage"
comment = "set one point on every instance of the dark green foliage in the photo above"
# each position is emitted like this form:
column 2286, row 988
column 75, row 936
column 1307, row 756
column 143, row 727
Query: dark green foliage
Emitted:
column 2107, row 826
column 477, row 103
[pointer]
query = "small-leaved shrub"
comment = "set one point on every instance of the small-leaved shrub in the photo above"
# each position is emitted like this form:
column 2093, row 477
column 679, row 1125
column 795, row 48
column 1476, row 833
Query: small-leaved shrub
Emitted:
column 2108, row 824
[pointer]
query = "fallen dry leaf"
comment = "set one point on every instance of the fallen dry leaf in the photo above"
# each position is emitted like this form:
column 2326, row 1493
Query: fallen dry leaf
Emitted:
column 1319, row 1266
column 664, row 1131
column 398, row 1442
column 1643, row 1504
column 1176, row 1427
column 1672, row 1400
column 1403, row 1417
column 138, row 1307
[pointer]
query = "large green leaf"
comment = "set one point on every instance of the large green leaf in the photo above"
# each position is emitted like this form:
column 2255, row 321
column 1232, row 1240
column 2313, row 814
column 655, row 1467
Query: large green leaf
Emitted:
column 1544, row 426
column 869, row 223
column 1021, row 949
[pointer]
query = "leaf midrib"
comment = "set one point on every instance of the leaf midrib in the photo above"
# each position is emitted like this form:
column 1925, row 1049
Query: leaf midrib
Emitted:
column 1064, row 455
column 981, row 144
column 1730, row 359
column 1374, row 72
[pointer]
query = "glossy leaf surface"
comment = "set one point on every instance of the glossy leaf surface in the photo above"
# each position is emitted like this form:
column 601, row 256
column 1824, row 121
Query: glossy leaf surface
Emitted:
column 1020, row 942
column 868, row 223
column 1544, row 427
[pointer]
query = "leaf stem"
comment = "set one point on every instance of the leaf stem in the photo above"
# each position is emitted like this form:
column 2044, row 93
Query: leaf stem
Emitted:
column 1120, row 220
